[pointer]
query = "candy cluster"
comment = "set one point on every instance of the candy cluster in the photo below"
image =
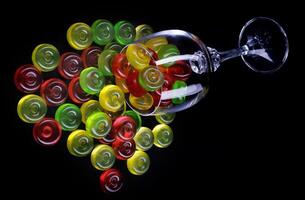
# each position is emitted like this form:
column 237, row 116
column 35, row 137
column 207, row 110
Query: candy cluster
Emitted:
column 93, row 86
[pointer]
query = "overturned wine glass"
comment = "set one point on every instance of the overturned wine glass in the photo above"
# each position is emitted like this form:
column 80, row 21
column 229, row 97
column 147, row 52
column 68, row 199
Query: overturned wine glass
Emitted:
column 170, row 69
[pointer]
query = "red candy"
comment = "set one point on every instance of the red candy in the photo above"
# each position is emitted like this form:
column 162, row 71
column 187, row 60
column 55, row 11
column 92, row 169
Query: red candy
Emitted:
column 90, row 56
column 54, row 91
column 124, row 127
column 108, row 139
column 123, row 149
column 180, row 71
column 133, row 85
column 70, row 65
column 76, row 93
column 167, row 85
column 120, row 66
column 111, row 180
column 47, row 132
column 27, row 78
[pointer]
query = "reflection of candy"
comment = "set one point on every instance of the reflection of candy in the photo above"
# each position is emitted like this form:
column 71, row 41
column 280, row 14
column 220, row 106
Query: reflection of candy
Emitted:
column 144, row 139
column 98, row 125
column 69, row 116
column 135, row 116
column 168, row 51
column 31, row 108
column 120, row 66
column 180, row 71
column 124, row 127
column 112, row 98
column 27, row 78
column 123, row 149
column 114, row 46
column 179, row 84
column 102, row 157
column 138, row 56
column 76, row 93
column 125, row 32
column 141, row 103
column 45, row 57
column 150, row 78
column 122, row 84
column 88, row 108
column 103, row 31
column 54, row 91
column 139, row 163
column 91, row 80
column 111, row 180
column 47, row 132
column 143, row 30
column 166, row 118
column 70, row 65
column 104, row 62
column 133, row 85
column 79, row 36
column 156, row 43
column 163, row 135
column 90, row 56
column 108, row 139
column 79, row 143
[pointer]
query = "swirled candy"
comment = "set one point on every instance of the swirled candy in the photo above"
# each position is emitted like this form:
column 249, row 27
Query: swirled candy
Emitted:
column 120, row 66
column 79, row 143
column 91, row 80
column 124, row 32
column 27, row 78
column 114, row 115
column 151, row 79
column 54, row 91
column 114, row 46
column 76, row 93
column 69, row 116
column 102, row 157
column 31, row 108
column 144, row 102
column 90, row 56
column 179, row 84
column 79, row 36
column 133, row 85
column 124, row 127
column 166, row 118
column 144, row 139
column 108, row 139
column 135, row 116
column 88, row 108
column 98, row 125
column 111, row 180
column 156, row 43
column 123, row 149
column 45, row 57
column 121, row 83
column 47, row 132
column 139, row 163
column 163, row 135
column 180, row 71
column 103, row 31
column 138, row 56
column 112, row 98
column 104, row 62
column 143, row 30
column 70, row 65
column 167, row 85
column 167, row 51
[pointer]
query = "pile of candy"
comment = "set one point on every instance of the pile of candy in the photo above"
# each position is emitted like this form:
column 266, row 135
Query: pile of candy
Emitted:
column 93, row 88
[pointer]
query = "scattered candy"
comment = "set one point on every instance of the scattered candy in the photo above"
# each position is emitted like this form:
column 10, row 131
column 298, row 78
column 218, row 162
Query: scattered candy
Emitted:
column 45, row 57
column 144, row 139
column 54, row 91
column 70, row 65
column 111, row 180
column 102, row 157
column 163, row 135
column 28, row 79
column 47, row 132
column 79, row 36
column 69, row 116
column 139, row 163
column 79, row 143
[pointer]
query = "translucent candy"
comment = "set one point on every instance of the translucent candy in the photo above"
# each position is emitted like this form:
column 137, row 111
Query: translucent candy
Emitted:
column 123, row 149
column 133, row 85
column 151, row 79
column 88, row 108
column 163, row 135
column 168, row 51
column 27, row 78
column 79, row 36
column 167, row 85
column 144, row 139
column 111, row 181
column 31, row 108
column 91, row 80
column 76, row 93
column 112, row 98
column 139, row 163
column 120, row 66
column 47, row 132
column 156, row 43
column 69, row 116
column 179, row 84
column 54, row 91
column 104, row 62
column 70, row 65
column 102, row 157
column 103, row 31
column 125, row 32
column 122, row 84
column 79, row 143
column 144, row 102
column 166, row 118
column 180, row 71
column 45, row 57
column 114, row 46
column 90, row 56
column 138, row 56
column 124, row 127
column 143, row 30
column 135, row 116
column 108, row 139
column 98, row 125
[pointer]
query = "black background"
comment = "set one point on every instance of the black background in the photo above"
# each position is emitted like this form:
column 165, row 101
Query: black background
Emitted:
column 236, row 142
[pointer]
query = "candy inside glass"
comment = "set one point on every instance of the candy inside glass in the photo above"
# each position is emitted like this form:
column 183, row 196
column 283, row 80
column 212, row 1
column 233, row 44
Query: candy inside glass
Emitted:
column 186, row 63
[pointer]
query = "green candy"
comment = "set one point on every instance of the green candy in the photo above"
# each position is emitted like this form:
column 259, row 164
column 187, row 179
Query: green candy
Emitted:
column 102, row 157
column 98, row 125
column 45, row 57
column 91, row 80
column 134, row 116
column 103, row 31
column 114, row 46
column 125, row 32
column 104, row 62
column 151, row 78
column 166, row 118
column 69, row 116
column 179, row 84
column 168, row 51
column 79, row 143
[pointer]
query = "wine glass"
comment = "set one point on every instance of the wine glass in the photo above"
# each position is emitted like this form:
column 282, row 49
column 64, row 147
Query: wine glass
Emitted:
column 171, row 69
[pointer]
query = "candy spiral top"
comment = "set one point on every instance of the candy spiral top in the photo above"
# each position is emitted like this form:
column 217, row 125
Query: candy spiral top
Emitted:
column 54, row 91
column 88, row 108
column 79, row 143
column 111, row 180
column 163, row 135
column 45, row 57
column 151, row 79
column 91, row 80
column 144, row 139
column 112, row 98
column 79, row 36
column 138, row 56
column 69, row 116
column 70, row 65
column 90, row 56
column 98, row 125
column 139, row 163
column 102, row 157
column 143, row 30
column 27, row 79
column 76, row 93
column 124, row 127
column 103, row 31
column 125, row 32
column 123, row 149
column 47, row 132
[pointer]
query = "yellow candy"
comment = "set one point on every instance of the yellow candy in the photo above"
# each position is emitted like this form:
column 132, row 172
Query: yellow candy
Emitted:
column 102, row 157
column 79, row 143
column 139, row 163
column 122, row 84
column 144, row 139
column 89, row 108
column 144, row 102
column 156, row 43
column 79, row 36
column 163, row 135
column 138, row 56
column 112, row 98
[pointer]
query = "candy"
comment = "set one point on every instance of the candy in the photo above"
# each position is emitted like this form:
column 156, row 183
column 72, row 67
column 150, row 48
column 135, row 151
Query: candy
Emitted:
column 143, row 30
column 144, row 139
column 180, row 71
column 70, row 65
column 31, row 108
column 27, row 79
column 166, row 118
column 122, row 84
column 120, row 66
column 167, row 85
column 123, row 149
column 79, row 36
column 133, row 85
column 112, row 98
column 144, row 102
column 47, row 132
column 179, row 84
column 167, row 51
column 69, row 116
column 114, row 115
column 102, row 157
column 88, row 108
column 108, row 139
column 91, row 80
column 45, row 57
column 90, row 56
column 103, row 31
column 125, row 32
column 135, row 116
column 79, row 143
column 138, row 56
column 150, row 78
column 124, row 127
column 76, row 93
column 111, row 180
column 114, row 46
column 156, row 43
column 163, row 135
column 54, row 91
column 98, row 125
column 104, row 62
column 139, row 163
